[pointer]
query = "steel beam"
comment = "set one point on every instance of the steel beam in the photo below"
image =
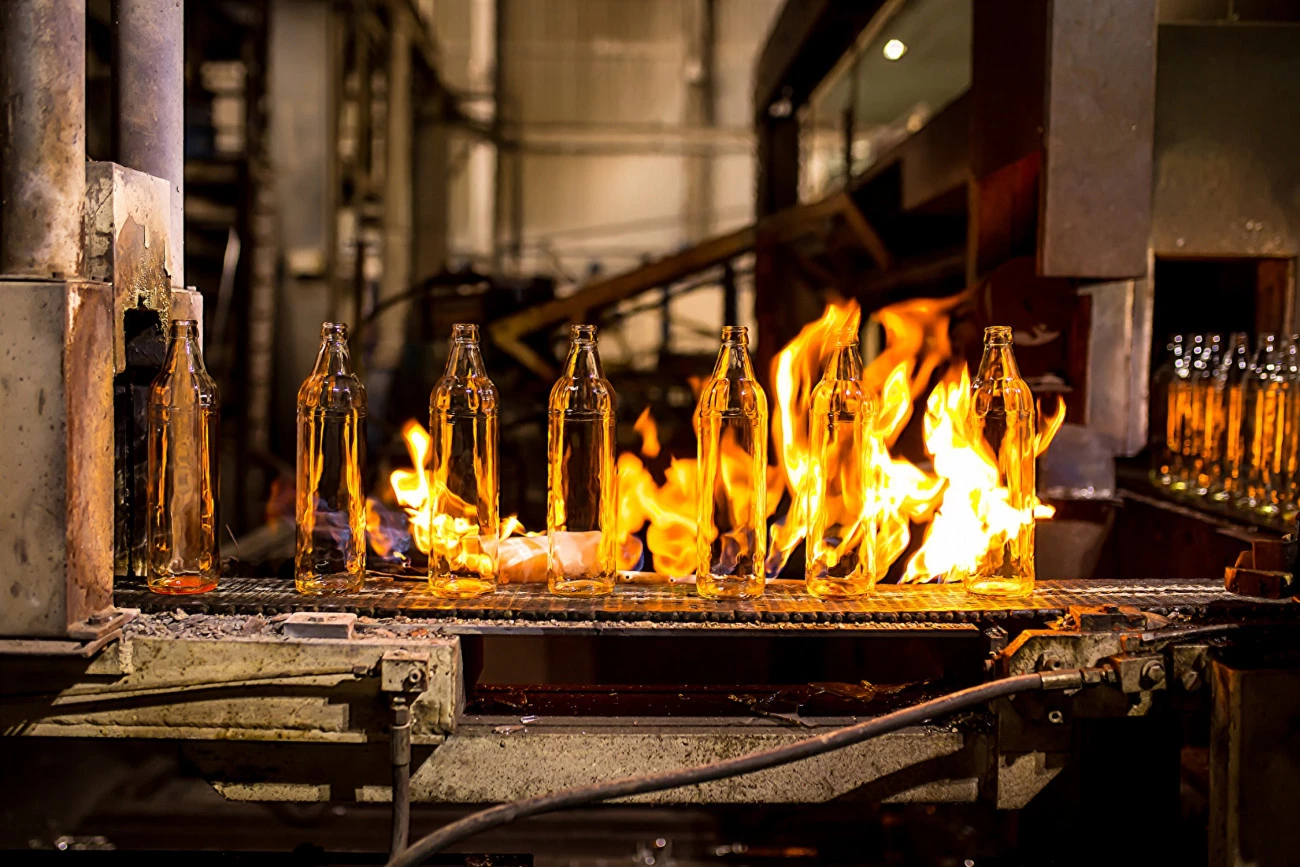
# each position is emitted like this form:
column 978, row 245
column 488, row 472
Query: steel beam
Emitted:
column 42, row 137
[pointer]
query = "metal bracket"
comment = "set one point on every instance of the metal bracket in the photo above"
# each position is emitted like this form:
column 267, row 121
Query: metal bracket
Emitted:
column 404, row 671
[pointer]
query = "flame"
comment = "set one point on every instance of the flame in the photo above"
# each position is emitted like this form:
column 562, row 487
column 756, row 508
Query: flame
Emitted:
column 450, row 529
column 968, row 513
column 978, row 515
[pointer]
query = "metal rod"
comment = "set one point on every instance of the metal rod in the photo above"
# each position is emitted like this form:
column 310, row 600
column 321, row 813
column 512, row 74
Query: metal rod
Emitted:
column 149, row 102
column 42, row 136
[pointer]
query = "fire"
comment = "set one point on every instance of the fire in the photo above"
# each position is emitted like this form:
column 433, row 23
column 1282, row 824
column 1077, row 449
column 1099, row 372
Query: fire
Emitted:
column 968, row 513
column 447, row 530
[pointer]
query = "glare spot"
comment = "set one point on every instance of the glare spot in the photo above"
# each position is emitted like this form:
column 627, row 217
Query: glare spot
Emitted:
column 894, row 49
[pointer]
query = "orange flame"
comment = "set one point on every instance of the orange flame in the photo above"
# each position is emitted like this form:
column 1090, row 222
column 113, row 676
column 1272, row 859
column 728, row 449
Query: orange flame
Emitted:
column 452, row 529
column 967, row 511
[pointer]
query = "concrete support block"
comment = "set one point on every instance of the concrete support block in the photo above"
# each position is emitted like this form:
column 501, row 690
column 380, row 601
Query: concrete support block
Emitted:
column 56, row 524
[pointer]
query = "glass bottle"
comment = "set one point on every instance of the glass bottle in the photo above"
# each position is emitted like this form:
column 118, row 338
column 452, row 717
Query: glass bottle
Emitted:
column 1162, row 436
column 331, row 550
column 842, row 486
column 1267, row 423
column 582, row 493
column 464, row 486
column 1290, row 445
column 1003, row 410
column 1206, row 413
column 1182, row 419
column 184, row 554
column 731, row 494
column 1226, row 483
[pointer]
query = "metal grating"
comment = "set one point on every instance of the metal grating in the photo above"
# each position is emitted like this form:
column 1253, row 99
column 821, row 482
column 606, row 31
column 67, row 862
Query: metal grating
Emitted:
column 784, row 603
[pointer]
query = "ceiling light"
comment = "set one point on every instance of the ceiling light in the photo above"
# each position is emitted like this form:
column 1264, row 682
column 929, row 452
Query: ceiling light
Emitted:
column 894, row 49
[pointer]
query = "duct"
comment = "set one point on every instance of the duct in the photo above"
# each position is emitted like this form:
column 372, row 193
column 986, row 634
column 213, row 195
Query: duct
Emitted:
column 42, row 137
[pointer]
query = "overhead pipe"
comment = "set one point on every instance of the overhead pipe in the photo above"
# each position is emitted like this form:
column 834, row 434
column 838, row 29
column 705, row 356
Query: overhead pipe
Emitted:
column 42, row 137
column 149, row 102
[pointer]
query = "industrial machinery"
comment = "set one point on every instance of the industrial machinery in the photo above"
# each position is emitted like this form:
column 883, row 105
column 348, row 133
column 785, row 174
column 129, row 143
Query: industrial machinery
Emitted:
column 1072, row 708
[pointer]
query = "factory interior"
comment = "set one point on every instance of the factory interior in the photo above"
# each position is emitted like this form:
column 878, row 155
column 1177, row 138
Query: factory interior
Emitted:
column 650, row 432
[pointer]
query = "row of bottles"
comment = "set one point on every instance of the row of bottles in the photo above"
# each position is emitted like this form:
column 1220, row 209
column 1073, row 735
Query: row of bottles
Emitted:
column 731, row 426
column 1226, row 422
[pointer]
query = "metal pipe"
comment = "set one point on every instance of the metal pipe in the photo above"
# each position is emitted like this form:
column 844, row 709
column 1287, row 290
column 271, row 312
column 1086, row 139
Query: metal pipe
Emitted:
column 42, row 136
column 149, row 102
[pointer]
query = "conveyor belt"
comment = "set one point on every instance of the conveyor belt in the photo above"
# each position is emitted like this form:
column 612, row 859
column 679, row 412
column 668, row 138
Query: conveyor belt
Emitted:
column 784, row 604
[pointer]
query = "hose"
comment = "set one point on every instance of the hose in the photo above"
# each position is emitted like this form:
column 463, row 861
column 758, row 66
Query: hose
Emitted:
column 503, row 814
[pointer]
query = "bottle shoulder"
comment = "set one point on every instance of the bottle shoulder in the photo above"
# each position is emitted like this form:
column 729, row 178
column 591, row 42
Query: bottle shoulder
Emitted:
column 583, row 393
column 332, row 392
column 470, row 394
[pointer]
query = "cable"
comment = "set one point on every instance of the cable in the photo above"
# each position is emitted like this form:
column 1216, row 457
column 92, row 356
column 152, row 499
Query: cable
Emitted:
column 494, row 817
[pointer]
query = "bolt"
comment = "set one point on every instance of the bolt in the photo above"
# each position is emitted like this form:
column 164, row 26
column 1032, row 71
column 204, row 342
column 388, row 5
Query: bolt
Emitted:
column 1055, row 717
column 1050, row 662
column 413, row 677
column 1153, row 673
column 1191, row 680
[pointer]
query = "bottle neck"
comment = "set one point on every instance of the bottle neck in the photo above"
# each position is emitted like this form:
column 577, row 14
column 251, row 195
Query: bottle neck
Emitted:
column 183, row 352
column 845, row 363
column 583, row 361
column 998, row 361
column 465, row 359
column 333, row 358
column 733, row 361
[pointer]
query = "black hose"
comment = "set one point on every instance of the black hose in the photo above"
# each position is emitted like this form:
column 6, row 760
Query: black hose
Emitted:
column 493, row 817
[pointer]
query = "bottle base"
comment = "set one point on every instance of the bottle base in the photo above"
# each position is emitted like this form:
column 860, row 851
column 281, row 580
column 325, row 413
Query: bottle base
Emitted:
column 581, row 586
column 460, row 587
column 830, row 588
column 729, row 587
column 182, row 585
column 330, row 585
column 999, row 588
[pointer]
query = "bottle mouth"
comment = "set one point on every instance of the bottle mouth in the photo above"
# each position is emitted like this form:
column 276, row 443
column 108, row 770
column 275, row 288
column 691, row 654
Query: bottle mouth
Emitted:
column 334, row 329
column 184, row 327
column 735, row 334
column 847, row 337
column 997, row 335
column 582, row 333
column 464, row 332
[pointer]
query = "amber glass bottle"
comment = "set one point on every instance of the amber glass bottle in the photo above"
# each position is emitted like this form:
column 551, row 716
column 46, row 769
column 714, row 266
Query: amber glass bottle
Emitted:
column 1182, row 416
column 1226, row 479
column 582, row 492
column 1266, row 395
column 842, row 487
column 1208, row 411
column 331, row 550
column 731, row 493
column 463, row 421
column 1003, row 410
column 1162, row 439
column 184, row 554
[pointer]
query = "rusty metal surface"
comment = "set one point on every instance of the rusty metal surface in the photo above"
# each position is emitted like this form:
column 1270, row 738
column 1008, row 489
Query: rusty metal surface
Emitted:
column 149, row 102
column 784, row 605
column 56, row 525
column 42, row 137
column 1227, row 135
column 128, row 242
column 1100, row 112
